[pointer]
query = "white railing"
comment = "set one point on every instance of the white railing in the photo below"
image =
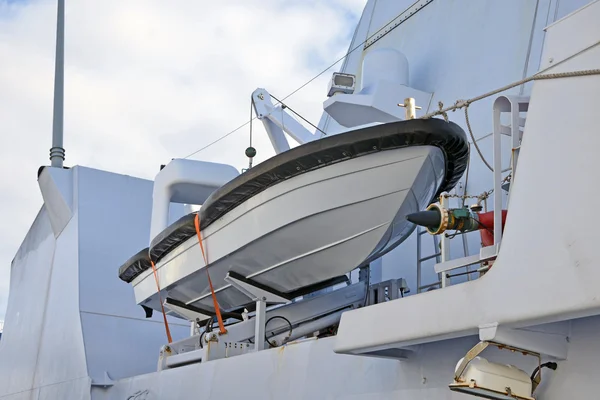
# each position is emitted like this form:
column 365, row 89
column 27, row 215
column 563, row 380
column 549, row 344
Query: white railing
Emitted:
column 515, row 105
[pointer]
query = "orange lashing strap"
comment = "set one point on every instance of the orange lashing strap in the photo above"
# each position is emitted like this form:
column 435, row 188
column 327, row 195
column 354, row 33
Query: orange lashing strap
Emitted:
column 161, row 303
column 222, row 329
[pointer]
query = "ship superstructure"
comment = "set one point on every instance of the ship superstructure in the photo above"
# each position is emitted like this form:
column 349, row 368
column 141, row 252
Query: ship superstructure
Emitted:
column 489, row 292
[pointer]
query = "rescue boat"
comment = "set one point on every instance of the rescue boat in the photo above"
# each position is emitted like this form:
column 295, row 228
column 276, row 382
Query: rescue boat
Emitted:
column 304, row 218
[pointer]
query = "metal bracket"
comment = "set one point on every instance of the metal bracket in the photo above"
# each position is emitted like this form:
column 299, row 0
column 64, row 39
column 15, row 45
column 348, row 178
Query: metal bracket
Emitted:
column 485, row 254
column 195, row 313
column 549, row 344
column 261, row 294
column 254, row 290
column 104, row 381
column 306, row 316
column 388, row 290
column 187, row 312
column 471, row 354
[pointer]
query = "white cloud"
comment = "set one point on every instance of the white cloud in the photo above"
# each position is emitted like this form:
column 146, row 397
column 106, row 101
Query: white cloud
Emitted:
column 149, row 80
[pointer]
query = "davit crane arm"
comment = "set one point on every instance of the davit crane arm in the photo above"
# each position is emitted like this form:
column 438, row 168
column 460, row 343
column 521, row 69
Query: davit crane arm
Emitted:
column 277, row 120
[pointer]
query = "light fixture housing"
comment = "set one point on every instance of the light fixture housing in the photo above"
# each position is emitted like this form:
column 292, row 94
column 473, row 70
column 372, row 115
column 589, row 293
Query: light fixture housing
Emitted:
column 341, row 83
column 488, row 380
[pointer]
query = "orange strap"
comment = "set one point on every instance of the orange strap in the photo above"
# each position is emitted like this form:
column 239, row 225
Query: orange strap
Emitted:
column 161, row 303
column 222, row 329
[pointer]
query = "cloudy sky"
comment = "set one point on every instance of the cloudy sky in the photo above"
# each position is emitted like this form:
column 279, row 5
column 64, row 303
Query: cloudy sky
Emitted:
column 149, row 80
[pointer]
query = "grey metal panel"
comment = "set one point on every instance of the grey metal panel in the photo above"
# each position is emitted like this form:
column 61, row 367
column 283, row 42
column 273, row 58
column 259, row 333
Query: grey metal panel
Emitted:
column 114, row 221
column 544, row 16
column 77, row 389
column 46, row 340
column 29, row 277
column 576, row 377
column 385, row 10
column 61, row 355
column 124, row 347
column 566, row 7
column 28, row 395
column 43, row 338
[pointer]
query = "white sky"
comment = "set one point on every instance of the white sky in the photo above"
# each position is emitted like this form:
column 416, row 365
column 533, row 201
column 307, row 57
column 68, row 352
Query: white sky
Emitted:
column 149, row 80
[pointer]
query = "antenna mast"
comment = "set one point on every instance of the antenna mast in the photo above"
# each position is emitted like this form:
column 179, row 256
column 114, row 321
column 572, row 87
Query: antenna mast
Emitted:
column 57, row 152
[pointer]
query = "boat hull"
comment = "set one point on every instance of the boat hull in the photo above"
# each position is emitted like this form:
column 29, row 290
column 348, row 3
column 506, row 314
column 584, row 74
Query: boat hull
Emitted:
column 305, row 230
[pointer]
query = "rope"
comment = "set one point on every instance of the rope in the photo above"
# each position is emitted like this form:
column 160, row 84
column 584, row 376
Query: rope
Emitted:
column 251, row 106
column 251, row 118
column 283, row 106
column 167, row 330
column 219, row 139
column 222, row 329
column 465, row 103
column 475, row 141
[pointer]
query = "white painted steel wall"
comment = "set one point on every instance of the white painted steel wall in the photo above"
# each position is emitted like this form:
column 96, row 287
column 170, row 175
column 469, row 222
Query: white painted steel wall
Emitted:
column 71, row 322
column 114, row 223
column 310, row 370
column 42, row 345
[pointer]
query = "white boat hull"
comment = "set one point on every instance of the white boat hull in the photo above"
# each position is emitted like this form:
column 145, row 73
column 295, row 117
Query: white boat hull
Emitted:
column 307, row 229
